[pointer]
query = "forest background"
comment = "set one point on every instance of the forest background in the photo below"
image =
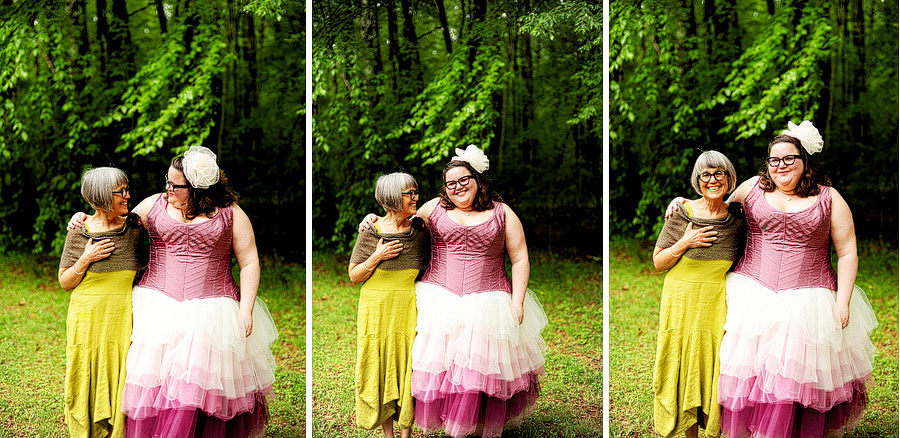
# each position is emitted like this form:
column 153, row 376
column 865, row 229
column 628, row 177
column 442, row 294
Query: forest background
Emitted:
column 692, row 75
column 399, row 84
column 134, row 83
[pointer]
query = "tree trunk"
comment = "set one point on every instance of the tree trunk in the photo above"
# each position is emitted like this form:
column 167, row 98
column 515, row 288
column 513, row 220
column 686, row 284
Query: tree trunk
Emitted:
column 393, row 45
column 409, row 48
column 479, row 11
column 76, row 10
column 120, row 46
column 102, row 34
column 368, row 30
column 161, row 16
column 528, row 104
column 725, row 40
column 860, row 121
column 250, row 90
column 445, row 26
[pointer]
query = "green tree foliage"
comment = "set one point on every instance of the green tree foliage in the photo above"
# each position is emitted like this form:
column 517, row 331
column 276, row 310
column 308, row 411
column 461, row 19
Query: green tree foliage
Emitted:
column 398, row 85
column 698, row 75
column 134, row 83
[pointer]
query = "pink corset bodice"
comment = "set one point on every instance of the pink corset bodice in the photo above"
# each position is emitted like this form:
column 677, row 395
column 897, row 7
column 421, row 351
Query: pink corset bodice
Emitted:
column 788, row 250
column 468, row 259
column 189, row 261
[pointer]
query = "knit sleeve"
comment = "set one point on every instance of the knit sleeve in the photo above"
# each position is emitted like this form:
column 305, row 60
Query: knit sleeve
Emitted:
column 672, row 230
column 74, row 247
column 364, row 247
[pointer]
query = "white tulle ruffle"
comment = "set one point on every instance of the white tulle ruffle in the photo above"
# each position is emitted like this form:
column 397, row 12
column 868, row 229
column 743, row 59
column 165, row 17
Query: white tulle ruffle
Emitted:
column 790, row 339
column 476, row 334
column 194, row 353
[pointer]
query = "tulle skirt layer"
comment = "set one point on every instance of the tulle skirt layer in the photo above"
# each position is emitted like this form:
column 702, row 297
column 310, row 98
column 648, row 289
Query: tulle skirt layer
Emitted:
column 786, row 366
column 192, row 372
column 475, row 368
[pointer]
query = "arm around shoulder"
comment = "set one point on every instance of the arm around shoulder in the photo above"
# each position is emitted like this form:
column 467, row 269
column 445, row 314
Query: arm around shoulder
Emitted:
column 740, row 193
column 143, row 207
column 425, row 211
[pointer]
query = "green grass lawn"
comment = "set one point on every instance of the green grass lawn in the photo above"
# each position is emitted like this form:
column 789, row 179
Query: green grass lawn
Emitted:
column 634, row 291
column 33, row 356
column 571, row 401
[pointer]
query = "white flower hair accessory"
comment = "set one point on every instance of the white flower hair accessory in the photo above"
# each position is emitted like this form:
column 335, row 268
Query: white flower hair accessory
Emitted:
column 200, row 167
column 474, row 156
column 807, row 134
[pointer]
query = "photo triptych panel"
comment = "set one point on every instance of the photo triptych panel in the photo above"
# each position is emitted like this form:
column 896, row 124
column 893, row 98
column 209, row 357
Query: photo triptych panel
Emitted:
column 449, row 218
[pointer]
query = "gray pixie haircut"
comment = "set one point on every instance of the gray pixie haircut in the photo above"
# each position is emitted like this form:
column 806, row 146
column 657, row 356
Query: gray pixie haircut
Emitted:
column 97, row 186
column 388, row 188
column 713, row 160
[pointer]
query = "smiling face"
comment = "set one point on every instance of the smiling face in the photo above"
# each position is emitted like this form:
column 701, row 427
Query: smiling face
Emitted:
column 409, row 202
column 462, row 196
column 177, row 195
column 120, row 200
column 786, row 177
column 713, row 189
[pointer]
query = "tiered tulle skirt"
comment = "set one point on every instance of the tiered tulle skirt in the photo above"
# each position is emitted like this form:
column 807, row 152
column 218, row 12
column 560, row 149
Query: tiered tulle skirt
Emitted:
column 787, row 367
column 475, row 368
column 192, row 372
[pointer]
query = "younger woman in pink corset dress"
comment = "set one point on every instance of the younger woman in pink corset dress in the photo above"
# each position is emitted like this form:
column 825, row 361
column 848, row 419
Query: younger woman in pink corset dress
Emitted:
column 199, row 363
column 478, row 354
column 796, row 358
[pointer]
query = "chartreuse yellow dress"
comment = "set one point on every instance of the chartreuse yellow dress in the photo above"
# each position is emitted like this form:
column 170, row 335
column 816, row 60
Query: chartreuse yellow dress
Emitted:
column 386, row 327
column 98, row 331
column 691, row 319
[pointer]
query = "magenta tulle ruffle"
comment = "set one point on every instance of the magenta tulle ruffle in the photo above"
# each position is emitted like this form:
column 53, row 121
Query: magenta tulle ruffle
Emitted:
column 194, row 423
column 476, row 413
column 768, row 388
column 428, row 387
column 180, row 395
column 793, row 420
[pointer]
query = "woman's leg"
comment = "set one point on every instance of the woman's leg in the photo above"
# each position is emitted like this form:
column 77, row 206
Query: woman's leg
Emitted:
column 404, row 433
column 691, row 432
column 388, row 428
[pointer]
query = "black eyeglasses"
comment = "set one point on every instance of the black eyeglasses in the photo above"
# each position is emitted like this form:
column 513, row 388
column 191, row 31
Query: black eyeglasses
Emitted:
column 124, row 192
column 411, row 193
column 176, row 186
column 787, row 160
column 451, row 185
column 719, row 175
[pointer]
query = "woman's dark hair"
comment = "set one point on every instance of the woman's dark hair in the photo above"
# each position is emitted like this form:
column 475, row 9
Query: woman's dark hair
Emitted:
column 811, row 178
column 204, row 202
column 484, row 199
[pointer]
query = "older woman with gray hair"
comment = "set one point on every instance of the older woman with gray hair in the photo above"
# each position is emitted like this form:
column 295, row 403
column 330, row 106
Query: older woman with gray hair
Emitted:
column 697, row 245
column 98, row 265
column 387, row 259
